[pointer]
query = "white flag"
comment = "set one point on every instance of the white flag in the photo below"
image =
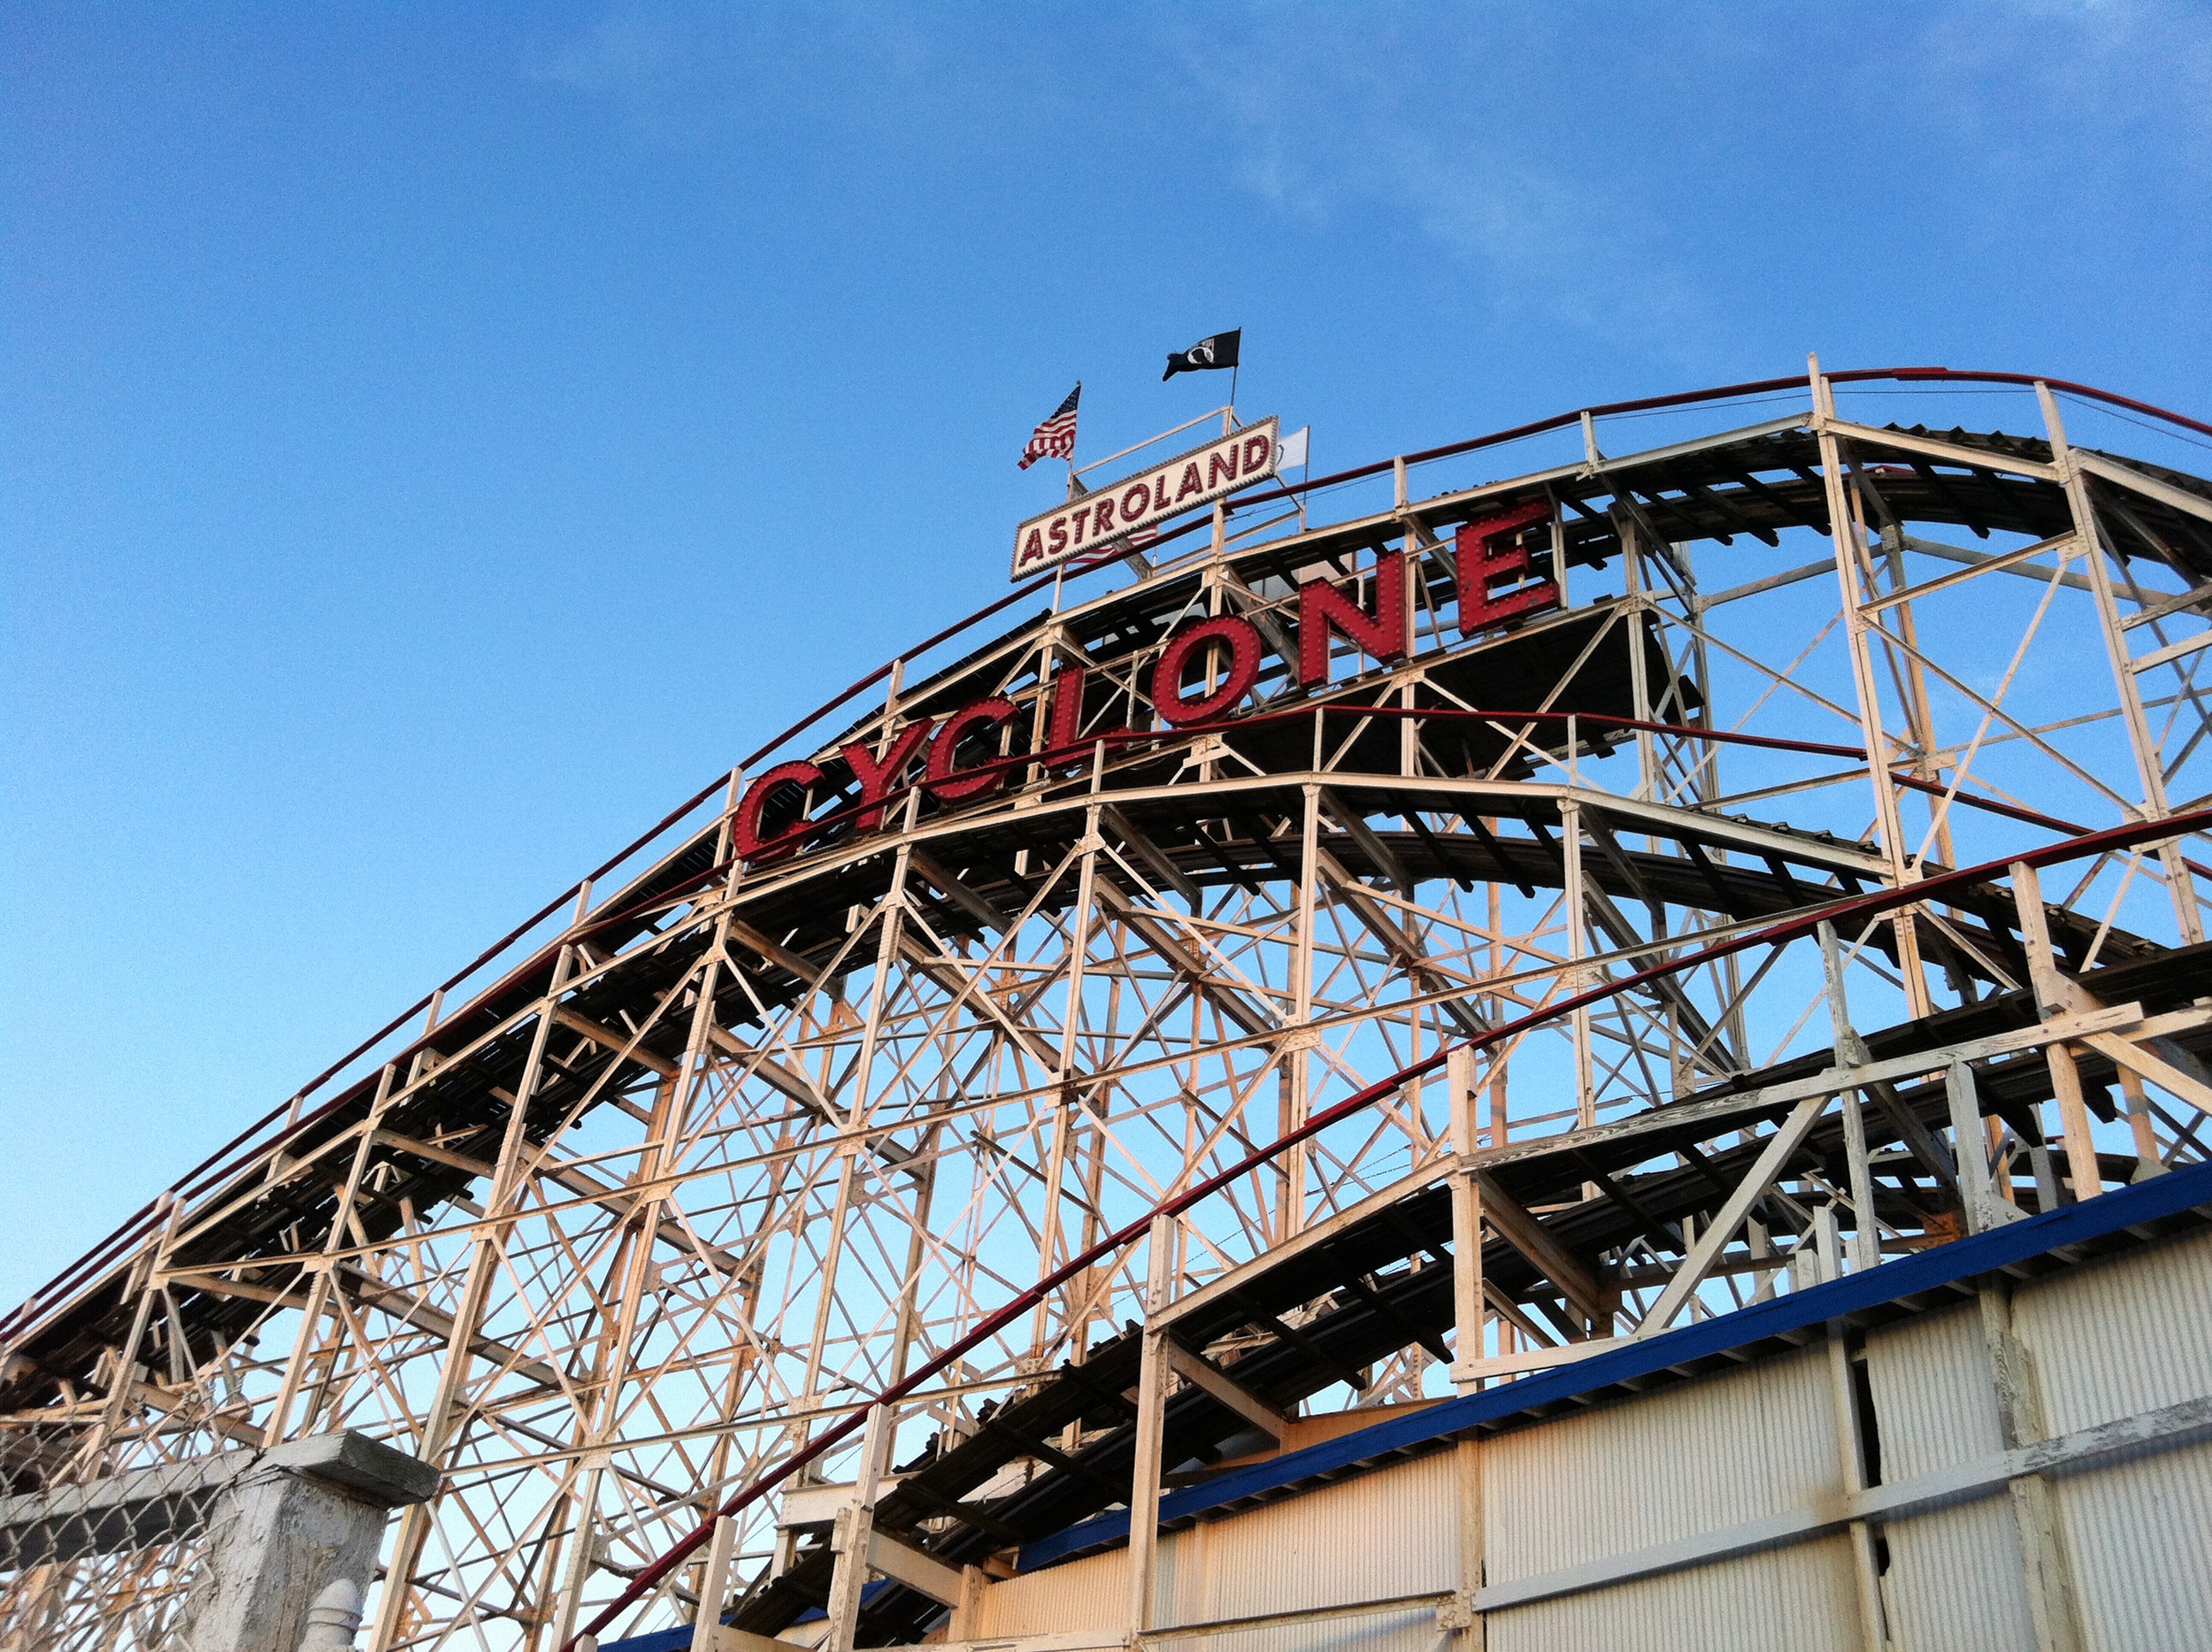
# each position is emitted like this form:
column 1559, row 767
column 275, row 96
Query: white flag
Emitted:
column 1293, row 447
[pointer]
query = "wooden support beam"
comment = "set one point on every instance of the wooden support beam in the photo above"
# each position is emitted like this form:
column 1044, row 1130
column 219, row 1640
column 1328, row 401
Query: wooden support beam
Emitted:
column 1399, row 941
column 980, row 907
column 789, row 1079
column 1379, row 855
column 1205, row 1374
column 781, row 957
column 621, row 1043
column 946, row 972
column 1151, row 854
column 2056, row 991
column 411, row 1310
column 1773, row 1160
column 2159, row 1072
column 476, row 1167
column 904, row 1563
column 1513, row 1222
column 727, row 1639
column 1186, row 960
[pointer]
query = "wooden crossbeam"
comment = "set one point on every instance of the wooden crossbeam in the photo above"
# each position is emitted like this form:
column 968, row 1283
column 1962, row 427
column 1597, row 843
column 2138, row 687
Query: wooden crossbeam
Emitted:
column 1514, row 1223
column 621, row 1043
column 1205, row 1374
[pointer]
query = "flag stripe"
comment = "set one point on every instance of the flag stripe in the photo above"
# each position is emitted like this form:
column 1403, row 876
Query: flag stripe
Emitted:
column 1054, row 439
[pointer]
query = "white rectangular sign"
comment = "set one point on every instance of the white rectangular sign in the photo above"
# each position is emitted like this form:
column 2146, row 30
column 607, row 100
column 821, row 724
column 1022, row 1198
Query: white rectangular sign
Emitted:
column 1092, row 523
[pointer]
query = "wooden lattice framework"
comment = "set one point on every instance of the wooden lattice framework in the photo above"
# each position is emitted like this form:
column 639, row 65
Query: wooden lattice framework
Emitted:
column 717, row 1158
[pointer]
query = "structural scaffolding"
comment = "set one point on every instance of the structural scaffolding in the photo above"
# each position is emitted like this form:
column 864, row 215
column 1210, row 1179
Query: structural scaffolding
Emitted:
column 911, row 1163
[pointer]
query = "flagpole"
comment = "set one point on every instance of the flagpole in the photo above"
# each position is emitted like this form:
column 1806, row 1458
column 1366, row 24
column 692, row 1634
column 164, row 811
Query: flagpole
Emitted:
column 1073, row 437
column 1232, row 386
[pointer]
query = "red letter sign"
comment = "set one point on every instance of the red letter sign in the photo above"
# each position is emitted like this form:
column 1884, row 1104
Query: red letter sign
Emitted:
column 981, row 715
column 1321, row 606
column 878, row 777
column 1244, row 669
column 1480, row 569
column 745, row 838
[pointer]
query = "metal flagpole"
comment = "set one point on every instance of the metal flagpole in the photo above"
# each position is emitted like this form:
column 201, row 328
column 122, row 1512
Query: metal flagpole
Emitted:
column 1074, row 437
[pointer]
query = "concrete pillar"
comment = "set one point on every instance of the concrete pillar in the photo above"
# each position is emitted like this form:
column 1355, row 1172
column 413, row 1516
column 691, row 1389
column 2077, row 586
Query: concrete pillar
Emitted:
column 280, row 1535
column 283, row 1532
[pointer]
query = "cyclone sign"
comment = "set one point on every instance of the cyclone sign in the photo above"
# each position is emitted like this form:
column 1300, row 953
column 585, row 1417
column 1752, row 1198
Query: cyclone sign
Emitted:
column 1183, row 483
column 957, row 755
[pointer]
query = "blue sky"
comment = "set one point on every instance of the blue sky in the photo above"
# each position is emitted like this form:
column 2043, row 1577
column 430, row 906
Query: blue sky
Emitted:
column 436, row 440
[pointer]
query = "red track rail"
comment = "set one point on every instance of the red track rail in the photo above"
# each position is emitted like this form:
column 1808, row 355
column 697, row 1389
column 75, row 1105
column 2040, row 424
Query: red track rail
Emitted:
column 143, row 1220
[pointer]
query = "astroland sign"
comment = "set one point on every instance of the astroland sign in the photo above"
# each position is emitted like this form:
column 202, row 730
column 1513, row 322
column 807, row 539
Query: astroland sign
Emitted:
column 1113, row 512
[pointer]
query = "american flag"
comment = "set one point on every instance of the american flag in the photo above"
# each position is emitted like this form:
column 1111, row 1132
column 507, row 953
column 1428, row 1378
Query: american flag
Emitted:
column 1054, row 439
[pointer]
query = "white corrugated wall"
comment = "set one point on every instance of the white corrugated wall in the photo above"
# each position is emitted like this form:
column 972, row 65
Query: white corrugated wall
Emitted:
column 1086, row 1593
column 1955, row 1581
column 1688, row 1460
column 2110, row 1341
column 1379, row 1536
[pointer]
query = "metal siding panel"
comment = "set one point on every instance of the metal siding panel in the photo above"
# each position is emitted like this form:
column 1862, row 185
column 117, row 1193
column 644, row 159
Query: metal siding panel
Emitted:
column 2138, row 1537
column 1933, row 1399
column 1800, row 1597
column 2111, row 1339
column 1686, row 1460
column 1384, row 1534
column 2115, row 1338
column 1382, row 1631
column 1082, row 1594
column 1955, row 1581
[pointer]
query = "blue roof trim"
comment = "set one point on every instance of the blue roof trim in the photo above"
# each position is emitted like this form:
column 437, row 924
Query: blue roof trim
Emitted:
column 679, row 1638
column 676, row 1640
column 2164, row 1195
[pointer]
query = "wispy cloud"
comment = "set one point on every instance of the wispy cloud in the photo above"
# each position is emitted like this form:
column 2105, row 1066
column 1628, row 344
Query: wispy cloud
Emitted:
column 1464, row 133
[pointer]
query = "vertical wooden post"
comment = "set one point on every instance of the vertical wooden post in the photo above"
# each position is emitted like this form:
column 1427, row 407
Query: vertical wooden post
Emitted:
column 714, row 1582
column 1298, row 1061
column 890, row 914
column 1065, row 1118
column 855, row 1525
column 1466, row 1224
column 2050, row 1584
column 486, row 1262
column 1144, row 1474
column 2055, row 992
column 2138, row 1106
column 967, row 1617
column 1467, row 1467
column 1866, row 1237
column 1850, row 1455
column 2149, row 762
column 1571, row 849
column 1853, row 580
column 1983, row 1209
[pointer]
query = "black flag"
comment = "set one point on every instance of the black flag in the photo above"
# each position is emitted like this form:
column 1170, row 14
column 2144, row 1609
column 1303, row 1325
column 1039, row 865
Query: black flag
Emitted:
column 1220, row 351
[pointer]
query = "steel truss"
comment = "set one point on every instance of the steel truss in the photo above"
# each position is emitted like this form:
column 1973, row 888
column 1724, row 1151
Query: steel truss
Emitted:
column 744, row 1146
